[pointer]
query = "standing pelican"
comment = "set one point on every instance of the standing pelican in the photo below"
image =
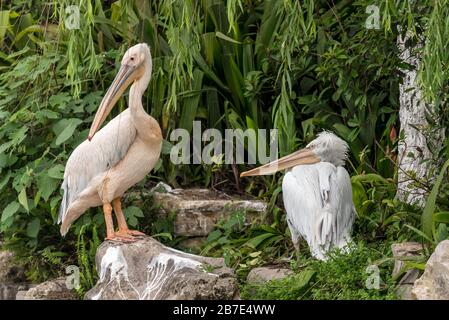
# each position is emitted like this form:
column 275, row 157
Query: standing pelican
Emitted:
column 317, row 193
column 102, row 168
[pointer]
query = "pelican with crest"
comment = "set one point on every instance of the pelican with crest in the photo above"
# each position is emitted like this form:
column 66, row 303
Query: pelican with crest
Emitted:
column 317, row 194
column 116, row 157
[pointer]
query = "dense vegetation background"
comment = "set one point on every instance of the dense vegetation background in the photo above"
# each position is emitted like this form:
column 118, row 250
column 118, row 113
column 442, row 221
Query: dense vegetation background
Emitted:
column 298, row 66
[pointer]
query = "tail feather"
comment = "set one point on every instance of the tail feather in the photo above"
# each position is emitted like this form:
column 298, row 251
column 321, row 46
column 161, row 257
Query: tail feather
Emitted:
column 74, row 211
column 64, row 202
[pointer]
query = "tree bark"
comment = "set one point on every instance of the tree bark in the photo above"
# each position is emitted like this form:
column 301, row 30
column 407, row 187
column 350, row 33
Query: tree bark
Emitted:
column 419, row 141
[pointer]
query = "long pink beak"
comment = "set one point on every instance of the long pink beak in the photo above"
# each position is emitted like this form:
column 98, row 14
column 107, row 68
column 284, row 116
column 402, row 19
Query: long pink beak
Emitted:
column 304, row 156
column 122, row 80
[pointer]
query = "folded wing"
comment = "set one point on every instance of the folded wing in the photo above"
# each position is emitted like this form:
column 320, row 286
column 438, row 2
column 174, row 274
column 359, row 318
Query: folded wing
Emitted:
column 89, row 159
column 318, row 201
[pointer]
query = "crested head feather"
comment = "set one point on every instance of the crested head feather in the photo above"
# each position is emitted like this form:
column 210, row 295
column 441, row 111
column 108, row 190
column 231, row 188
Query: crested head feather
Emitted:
column 330, row 148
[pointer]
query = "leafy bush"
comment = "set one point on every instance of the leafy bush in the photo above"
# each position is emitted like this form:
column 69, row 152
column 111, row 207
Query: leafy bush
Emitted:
column 379, row 215
column 343, row 277
column 247, row 245
column 86, row 250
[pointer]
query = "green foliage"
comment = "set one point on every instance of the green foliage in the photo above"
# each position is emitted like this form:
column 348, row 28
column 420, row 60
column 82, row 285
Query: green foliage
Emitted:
column 278, row 64
column 297, row 66
column 160, row 227
column 246, row 245
column 290, row 288
column 434, row 217
column 428, row 221
column 86, row 250
column 343, row 277
column 379, row 215
column 434, row 71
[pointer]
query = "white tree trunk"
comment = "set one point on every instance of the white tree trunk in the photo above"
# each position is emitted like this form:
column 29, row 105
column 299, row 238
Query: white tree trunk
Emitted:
column 419, row 142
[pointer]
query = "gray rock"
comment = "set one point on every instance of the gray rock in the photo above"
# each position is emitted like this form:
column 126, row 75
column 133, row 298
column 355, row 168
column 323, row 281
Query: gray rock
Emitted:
column 55, row 289
column 434, row 283
column 199, row 210
column 406, row 251
column 148, row 270
column 194, row 243
column 10, row 271
column 8, row 291
column 264, row 274
column 20, row 295
column 12, row 276
column 404, row 288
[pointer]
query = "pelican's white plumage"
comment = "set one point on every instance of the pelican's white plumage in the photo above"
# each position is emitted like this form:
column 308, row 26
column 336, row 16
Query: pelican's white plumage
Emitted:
column 318, row 201
column 317, row 194
column 122, row 153
column 95, row 158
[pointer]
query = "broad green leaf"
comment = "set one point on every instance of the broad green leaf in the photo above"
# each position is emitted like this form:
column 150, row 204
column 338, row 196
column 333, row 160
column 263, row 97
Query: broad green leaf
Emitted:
column 5, row 180
column 6, row 146
column 441, row 233
column 208, row 71
column 7, row 160
column 33, row 228
column 269, row 229
column 59, row 100
column 369, row 177
column 255, row 254
column 56, row 172
column 131, row 214
column 429, row 209
column 190, row 105
column 64, row 129
column 3, row 160
column 213, row 108
column 166, row 147
column 23, row 199
column 37, row 197
column 47, row 114
column 269, row 25
column 65, row 134
column 419, row 232
column 303, row 279
column 237, row 219
column 415, row 265
column 359, row 196
column 28, row 30
column 251, row 124
column 214, row 235
column 10, row 210
column 4, row 24
column 256, row 241
column 19, row 135
column 441, row 217
column 165, row 235
column 210, row 47
column 46, row 185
